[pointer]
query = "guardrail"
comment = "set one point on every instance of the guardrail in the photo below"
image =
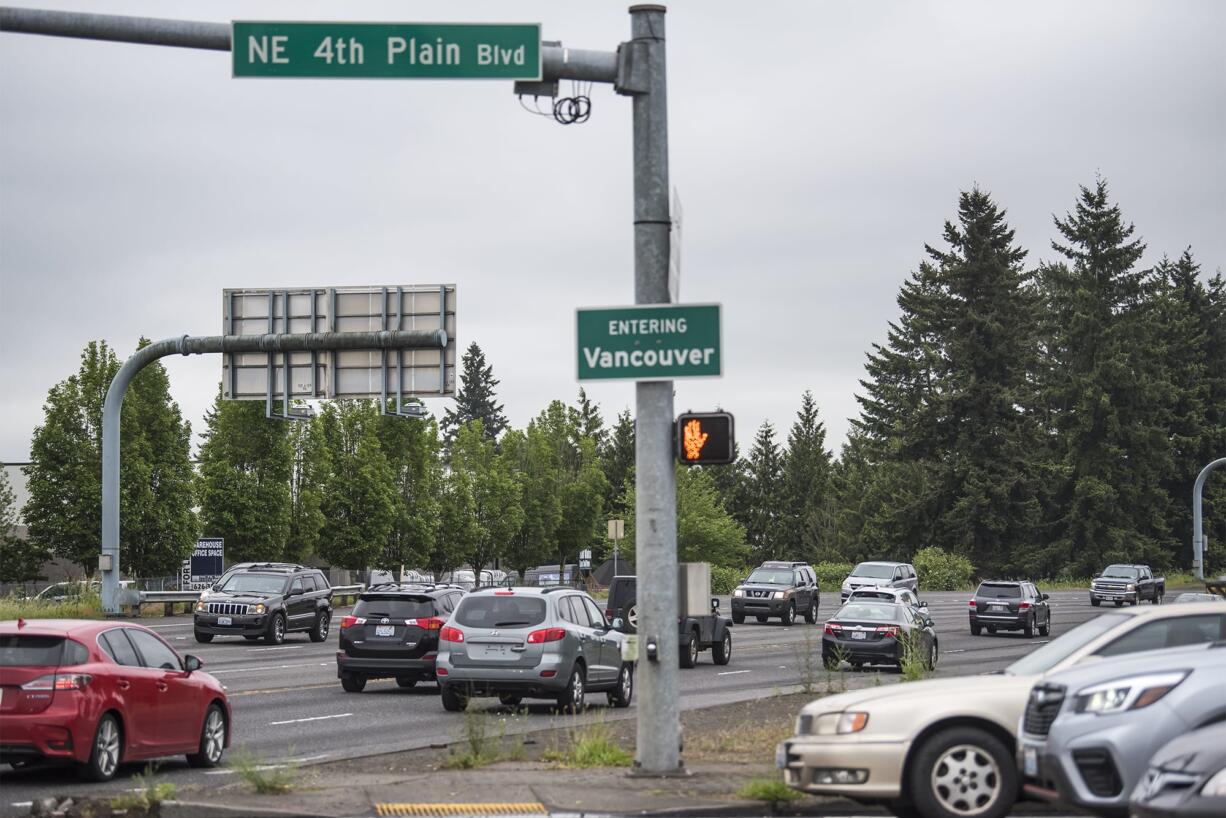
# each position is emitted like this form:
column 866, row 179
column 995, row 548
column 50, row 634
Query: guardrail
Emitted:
column 169, row 599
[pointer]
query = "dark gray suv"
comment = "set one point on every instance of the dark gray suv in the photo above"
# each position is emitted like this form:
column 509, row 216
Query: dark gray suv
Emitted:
column 265, row 599
column 540, row 643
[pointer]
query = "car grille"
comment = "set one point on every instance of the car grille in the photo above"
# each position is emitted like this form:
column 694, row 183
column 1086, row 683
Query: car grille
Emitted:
column 1098, row 771
column 1042, row 708
column 227, row 608
column 758, row 594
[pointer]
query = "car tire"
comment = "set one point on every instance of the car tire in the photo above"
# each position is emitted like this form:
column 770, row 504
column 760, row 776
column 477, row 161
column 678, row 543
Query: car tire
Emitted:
column 212, row 739
column 721, row 651
column 960, row 771
column 573, row 698
column 1119, row 603
column 976, row 630
column 930, row 663
column 204, row 638
column 1028, row 628
column 276, row 630
column 353, row 683
column 789, row 616
column 319, row 631
column 761, row 618
column 689, row 650
column 453, row 701
column 903, row 808
column 510, row 699
column 106, row 752
column 1095, row 602
column 1132, row 602
column 1045, row 628
column 1157, row 600
column 811, row 612
column 830, row 662
column 991, row 629
column 406, row 681
column 621, row 695
column 738, row 618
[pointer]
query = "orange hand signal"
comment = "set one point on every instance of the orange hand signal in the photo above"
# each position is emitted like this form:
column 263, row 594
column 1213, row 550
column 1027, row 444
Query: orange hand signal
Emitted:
column 694, row 439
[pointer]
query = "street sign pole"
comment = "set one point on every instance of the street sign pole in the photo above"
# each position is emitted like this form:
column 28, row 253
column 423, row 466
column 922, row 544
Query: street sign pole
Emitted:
column 655, row 530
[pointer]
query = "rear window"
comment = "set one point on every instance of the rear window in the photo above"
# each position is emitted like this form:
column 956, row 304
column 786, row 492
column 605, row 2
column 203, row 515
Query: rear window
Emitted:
column 401, row 607
column 492, row 611
column 869, row 612
column 991, row 591
column 40, row 651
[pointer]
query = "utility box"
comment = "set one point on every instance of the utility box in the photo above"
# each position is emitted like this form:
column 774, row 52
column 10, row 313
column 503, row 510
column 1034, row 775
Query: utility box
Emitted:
column 694, row 588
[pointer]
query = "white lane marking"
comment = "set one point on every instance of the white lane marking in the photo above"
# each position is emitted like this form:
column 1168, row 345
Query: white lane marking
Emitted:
column 278, row 647
column 310, row 718
column 266, row 667
column 959, row 650
column 174, row 625
column 733, row 672
column 22, row 804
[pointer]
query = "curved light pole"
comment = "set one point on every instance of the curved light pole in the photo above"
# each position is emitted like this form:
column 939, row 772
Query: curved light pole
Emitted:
column 1198, row 532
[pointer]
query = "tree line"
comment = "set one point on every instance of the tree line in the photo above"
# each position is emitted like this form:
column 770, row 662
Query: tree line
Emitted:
column 1037, row 420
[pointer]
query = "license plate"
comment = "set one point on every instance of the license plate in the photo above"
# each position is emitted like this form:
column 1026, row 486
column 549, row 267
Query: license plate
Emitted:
column 859, row 635
column 1030, row 762
column 1106, row 596
column 997, row 607
column 224, row 620
column 385, row 630
column 495, row 650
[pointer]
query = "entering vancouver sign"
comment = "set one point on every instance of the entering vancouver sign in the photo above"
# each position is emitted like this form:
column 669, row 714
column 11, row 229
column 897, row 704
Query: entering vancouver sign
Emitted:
column 649, row 342
column 386, row 50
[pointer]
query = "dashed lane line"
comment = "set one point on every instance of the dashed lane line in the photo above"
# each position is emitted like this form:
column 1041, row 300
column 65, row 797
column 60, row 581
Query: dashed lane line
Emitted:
column 309, row 718
column 267, row 667
column 732, row 672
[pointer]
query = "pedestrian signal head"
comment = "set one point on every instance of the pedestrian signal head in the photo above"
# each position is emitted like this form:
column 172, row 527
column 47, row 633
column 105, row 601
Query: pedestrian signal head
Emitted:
column 705, row 438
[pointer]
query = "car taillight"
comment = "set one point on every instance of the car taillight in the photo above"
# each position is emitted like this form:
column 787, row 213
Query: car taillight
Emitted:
column 507, row 592
column 59, row 681
column 1025, row 606
column 350, row 621
column 546, row 635
column 973, row 604
column 832, row 630
column 451, row 635
column 429, row 623
column 888, row 630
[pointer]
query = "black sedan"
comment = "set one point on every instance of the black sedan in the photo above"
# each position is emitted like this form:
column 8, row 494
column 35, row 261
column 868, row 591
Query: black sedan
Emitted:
column 1186, row 778
column 871, row 632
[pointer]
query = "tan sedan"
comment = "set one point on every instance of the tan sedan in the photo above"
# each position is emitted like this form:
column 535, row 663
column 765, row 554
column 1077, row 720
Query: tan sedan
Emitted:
column 944, row 748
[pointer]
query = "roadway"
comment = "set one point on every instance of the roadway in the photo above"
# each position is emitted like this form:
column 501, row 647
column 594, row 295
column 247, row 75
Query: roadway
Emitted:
column 288, row 704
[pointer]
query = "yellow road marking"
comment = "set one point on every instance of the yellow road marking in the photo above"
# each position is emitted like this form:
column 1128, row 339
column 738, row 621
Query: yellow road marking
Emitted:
column 508, row 808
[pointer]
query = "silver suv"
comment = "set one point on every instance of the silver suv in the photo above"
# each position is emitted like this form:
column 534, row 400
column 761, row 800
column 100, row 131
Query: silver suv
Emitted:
column 880, row 575
column 540, row 643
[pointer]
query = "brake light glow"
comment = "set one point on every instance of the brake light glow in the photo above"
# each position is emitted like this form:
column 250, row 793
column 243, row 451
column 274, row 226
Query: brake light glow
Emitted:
column 1023, row 606
column 832, row 630
column 973, row 604
column 888, row 630
column 59, row 681
column 449, row 634
column 507, row 592
column 350, row 621
column 429, row 623
column 546, row 635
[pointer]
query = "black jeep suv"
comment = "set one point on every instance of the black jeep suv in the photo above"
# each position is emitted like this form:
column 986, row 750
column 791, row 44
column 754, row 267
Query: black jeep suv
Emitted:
column 393, row 631
column 777, row 588
column 265, row 599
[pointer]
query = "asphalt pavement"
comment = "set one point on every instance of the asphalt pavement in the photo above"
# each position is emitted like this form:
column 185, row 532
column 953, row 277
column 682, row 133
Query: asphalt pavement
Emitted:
column 289, row 706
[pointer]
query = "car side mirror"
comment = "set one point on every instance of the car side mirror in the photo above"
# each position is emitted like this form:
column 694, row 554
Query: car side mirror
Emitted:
column 714, row 604
column 1044, row 597
column 617, row 624
column 924, row 605
column 192, row 663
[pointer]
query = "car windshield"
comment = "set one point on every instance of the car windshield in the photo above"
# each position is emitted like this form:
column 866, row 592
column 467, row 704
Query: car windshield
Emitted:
column 30, row 651
column 868, row 569
column 868, row 612
column 770, row 576
column 1121, row 572
column 999, row 591
column 1056, row 651
column 254, row 584
column 874, row 594
column 498, row 611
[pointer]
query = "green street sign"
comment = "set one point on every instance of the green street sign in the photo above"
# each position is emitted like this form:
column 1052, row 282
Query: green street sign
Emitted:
column 386, row 50
column 652, row 342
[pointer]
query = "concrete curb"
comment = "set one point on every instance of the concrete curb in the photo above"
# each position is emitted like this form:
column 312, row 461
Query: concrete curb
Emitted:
column 197, row 809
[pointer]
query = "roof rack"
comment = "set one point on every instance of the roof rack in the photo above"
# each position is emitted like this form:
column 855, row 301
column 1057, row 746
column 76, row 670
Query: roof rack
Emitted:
column 407, row 586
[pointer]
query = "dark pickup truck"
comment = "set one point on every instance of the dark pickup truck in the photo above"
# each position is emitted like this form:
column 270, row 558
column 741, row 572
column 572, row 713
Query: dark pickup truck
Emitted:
column 1127, row 583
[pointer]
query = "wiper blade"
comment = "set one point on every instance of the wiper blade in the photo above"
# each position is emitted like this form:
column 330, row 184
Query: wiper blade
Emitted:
column 509, row 623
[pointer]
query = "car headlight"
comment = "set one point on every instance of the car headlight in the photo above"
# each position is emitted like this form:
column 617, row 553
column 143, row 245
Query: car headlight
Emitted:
column 1132, row 693
column 200, row 606
column 738, row 592
column 258, row 608
column 1215, row 787
column 1132, row 587
column 205, row 594
column 778, row 595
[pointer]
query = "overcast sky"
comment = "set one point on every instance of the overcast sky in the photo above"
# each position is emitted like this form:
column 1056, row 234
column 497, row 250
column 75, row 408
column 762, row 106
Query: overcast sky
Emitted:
column 815, row 147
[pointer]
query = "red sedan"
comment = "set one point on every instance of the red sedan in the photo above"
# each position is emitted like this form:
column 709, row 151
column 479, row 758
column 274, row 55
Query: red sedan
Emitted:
column 101, row 693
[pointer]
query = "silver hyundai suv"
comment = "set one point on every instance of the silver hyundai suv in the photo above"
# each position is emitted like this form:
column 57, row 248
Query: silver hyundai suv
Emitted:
column 540, row 643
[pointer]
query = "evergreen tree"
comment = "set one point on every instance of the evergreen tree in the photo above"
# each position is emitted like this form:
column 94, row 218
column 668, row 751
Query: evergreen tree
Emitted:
column 244, row 481
column 764, row 494
column 309, row 474
column 589, row 422
column 617, row 460
column 359, row 499
column 20, row 560
column 412, row 448
column 1105, row 394
column 475, row 399
column 805, row 481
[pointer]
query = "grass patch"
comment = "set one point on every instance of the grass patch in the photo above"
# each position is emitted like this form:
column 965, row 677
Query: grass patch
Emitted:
column 750, row 739
column 914, row 665
column 809, row 660
column 483, row 741
column 771, row 790
column 147, row 796
column 265, row 779
column 87, row 606
column 590, row 745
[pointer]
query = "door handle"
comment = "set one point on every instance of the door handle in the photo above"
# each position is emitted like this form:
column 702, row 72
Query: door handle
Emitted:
column 163, row 687
column 123, row 684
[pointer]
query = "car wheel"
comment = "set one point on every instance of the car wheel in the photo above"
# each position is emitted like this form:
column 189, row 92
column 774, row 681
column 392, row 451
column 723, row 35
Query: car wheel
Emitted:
column 1119, row 603
column 204, row 638
column 811, row 613
column 1157, row 600
column 406, row 681
column 963, row 772
column 319, row 632
column 276, row 630
column 1132, row 602
column 1028, row 628
column 761, row 618
column 212, row 739
column 689, row 650
column 1045, row 628
column 721, row 652
column 632, row 617
column 738, row 618
column 931, row 662
column 572, row 700
column 353, row 683
column 510, row 699
column 105, row 753
column 976, row 630
column 830, row 662
column 789, row 616
column 621, row 695
column 1095, row 602
column 453, row 701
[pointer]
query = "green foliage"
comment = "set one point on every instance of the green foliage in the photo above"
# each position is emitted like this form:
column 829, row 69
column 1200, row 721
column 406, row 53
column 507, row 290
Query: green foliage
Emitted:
column 145, row 794
column 85, row 606
column 830, row 575
column 497, row 513
column 806, row 518
column 359, row 499
column 590, row 745
column 20, row 559
column 475, row 399
column 939, row 570
column 530, row 457
column 264, row 778
column 771, row 790
column 724, row 578
column 763, row 509
column 308, row 475
column 582, row 484
column 706, row 532
column 412, row 448
column 617, row 460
